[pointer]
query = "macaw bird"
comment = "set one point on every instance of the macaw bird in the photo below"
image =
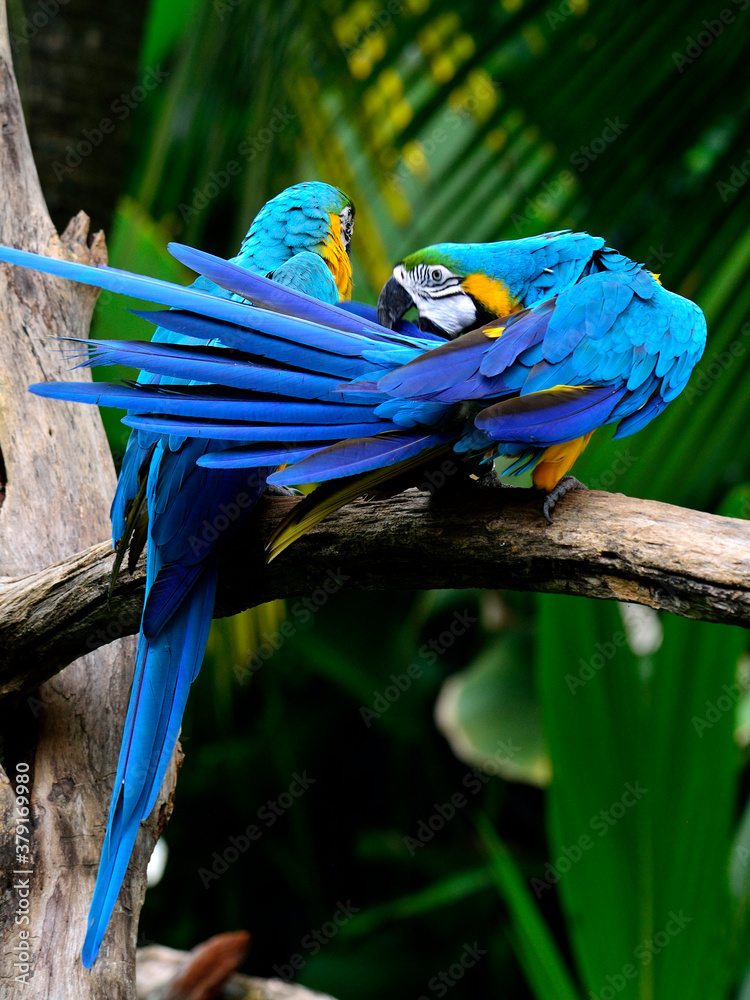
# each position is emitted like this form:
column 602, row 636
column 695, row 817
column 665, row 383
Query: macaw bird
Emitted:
column 302, row 239
column 339, row 400
column 292, row 238
column 457, row 287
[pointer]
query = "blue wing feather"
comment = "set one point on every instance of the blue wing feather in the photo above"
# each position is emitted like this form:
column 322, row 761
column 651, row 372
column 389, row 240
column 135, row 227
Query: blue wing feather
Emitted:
column 551, row 417
column 252, row 456
column 351, row 457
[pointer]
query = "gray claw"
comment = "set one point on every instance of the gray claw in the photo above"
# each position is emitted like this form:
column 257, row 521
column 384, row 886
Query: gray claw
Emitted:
column 566, row 484
column 490, row 479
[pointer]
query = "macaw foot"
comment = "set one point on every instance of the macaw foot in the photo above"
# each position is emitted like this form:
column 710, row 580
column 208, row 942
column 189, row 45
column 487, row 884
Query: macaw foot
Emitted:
column 566, row 484
column 452, row 485
column 490, row 478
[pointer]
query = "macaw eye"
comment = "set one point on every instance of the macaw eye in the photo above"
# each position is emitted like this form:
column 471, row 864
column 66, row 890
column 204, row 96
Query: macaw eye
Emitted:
column 436, row 274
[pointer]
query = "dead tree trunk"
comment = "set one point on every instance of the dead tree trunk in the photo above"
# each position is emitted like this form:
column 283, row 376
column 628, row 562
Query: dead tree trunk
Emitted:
column 56, row 483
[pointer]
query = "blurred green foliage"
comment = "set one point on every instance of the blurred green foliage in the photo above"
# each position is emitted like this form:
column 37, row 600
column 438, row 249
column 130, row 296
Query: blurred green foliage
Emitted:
column 471, row 121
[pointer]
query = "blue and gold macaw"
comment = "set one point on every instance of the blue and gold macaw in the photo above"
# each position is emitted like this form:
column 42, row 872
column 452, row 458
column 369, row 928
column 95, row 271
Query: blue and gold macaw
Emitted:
column 301, row 238
column 338, row 399
column 457, row 287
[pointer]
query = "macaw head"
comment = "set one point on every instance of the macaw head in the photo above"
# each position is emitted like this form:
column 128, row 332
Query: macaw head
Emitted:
column 450, row 285
column 456, row 287
column 310, row 216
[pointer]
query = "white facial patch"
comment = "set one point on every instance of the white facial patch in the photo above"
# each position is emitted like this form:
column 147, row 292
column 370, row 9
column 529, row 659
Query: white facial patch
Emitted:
column 438, row 296
column 347, row 227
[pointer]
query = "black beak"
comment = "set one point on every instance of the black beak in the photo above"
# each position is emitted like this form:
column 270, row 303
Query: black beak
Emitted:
column 393, row 303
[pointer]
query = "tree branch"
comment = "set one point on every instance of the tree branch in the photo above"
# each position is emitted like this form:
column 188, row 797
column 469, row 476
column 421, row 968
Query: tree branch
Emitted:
column 600, row 545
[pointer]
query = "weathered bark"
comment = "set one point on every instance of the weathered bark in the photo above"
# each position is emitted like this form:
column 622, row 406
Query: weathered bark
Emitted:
column 600, row 545
column 59, row 481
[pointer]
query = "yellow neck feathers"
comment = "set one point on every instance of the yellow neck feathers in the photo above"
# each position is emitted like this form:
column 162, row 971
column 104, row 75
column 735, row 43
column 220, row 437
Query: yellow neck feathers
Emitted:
column 335, row 255
column 493, row 295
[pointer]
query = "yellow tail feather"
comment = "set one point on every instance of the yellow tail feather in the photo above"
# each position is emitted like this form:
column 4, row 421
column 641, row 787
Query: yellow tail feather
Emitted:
column 329, row 497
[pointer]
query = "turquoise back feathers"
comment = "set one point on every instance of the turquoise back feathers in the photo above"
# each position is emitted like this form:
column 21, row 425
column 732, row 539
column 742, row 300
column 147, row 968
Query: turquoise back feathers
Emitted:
column 296, row 220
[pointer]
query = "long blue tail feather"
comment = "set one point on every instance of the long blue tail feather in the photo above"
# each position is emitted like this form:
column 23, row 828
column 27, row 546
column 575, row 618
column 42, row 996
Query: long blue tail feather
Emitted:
column 165, row 668
column 211, row 366
column 308, row 416
column 264, row 292
column 254, row 343
column 268, row 433
column 250, row 457
column 206, row 403
column 286, row 327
